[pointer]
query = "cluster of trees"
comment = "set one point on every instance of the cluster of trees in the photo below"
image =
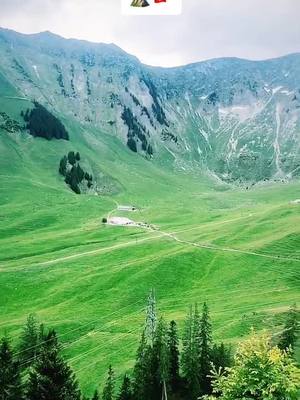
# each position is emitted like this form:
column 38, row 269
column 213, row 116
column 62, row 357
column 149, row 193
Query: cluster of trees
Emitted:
column 259, row 370
column 156, row 107
column 136, row 131
column 161, row 371
column 40, row 122
column 70, row 168
column 36, row 370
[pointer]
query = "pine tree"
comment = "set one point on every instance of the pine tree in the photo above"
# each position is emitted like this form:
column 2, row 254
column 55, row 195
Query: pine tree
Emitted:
column 80, row 173
column 221, row 357
column 141, row 371
column 205, row 351
column 189, row 359
column 109, row 388
column 197, row 335
column 51, row 377
column 10, row 377
column 63, row 166
column 72, row 158
column 151, row 318
column 173, row 343
column 29, row 342
column 96, row 395
column 72, row 179
column 161, row 358
column 288, row 337
column 125, row 392
column 131, row 143
column 26, row 116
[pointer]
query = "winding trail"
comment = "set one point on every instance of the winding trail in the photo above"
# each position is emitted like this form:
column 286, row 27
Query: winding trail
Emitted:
column 113, row 210
column 158, row 234
column 229, row 249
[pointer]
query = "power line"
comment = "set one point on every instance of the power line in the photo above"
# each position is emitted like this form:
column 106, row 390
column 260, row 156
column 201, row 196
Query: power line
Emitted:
column 85, row 325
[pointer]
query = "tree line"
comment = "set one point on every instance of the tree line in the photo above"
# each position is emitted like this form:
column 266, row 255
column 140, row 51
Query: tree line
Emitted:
column 74, row 175
column 136, row 131
column 41, row 123
column 165, row 367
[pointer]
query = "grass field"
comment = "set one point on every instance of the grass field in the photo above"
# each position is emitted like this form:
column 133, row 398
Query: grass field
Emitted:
column 238, row 250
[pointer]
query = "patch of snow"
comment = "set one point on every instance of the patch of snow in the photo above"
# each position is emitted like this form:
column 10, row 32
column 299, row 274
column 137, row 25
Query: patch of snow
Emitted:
column 36, row 71
column 287, row 92
column 224, row 111
column 205, row 135
column 242, row 113
column 170, row 152
column 275, row 90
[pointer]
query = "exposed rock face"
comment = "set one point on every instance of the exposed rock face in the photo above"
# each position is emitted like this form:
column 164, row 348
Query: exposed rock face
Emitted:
column 238, row 119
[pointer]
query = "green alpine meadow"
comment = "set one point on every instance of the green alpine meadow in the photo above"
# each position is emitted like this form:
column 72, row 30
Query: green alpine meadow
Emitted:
column 149, row 224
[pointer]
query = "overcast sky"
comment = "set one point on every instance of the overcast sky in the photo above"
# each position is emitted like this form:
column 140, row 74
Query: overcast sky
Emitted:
column 253, row 29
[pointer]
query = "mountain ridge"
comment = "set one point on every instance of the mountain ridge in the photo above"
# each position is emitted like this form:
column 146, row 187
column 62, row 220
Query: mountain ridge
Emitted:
column 238, row 119
column 90, row 42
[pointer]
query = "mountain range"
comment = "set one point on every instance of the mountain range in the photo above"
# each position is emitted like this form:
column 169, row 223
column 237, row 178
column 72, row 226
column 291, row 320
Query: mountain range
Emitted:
column 237, row 120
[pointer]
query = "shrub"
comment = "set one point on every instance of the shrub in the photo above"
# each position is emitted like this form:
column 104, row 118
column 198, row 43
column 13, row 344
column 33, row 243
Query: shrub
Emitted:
column 261, row 371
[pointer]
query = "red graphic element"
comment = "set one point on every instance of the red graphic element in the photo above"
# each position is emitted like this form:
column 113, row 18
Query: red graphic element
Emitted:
column 160, row 1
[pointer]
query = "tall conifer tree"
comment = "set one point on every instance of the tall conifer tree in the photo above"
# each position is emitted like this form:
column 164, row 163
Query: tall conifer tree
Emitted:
column 10, row 377
column 96, row 395
column 221, row 357
column 151, row 317
column 141, row 370
column 189, row 359
column 109, row 387
column 125, row 392
column 291, row 327
column 160, row 362
column 51, row 378
column 173, row 344
column 28, row 347
column 205, row 350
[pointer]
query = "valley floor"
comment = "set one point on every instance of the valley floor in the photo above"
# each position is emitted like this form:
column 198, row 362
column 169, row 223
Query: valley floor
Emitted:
column 237, row 250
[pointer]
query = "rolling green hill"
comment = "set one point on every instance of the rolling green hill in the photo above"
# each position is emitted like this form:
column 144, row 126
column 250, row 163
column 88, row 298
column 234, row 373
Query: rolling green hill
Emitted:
column 237, row 249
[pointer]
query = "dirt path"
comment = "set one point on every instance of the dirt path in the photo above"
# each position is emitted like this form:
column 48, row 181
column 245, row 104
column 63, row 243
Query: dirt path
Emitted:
column 161, row 234
column 229, row 249
column 113, row 210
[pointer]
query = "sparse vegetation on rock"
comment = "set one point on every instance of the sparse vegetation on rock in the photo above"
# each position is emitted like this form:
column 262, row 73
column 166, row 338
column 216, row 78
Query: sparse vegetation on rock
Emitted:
column 8, row 124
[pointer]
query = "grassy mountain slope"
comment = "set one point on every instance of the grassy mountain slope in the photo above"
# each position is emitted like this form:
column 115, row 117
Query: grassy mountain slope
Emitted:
column 236, row 249
column 239, row 119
